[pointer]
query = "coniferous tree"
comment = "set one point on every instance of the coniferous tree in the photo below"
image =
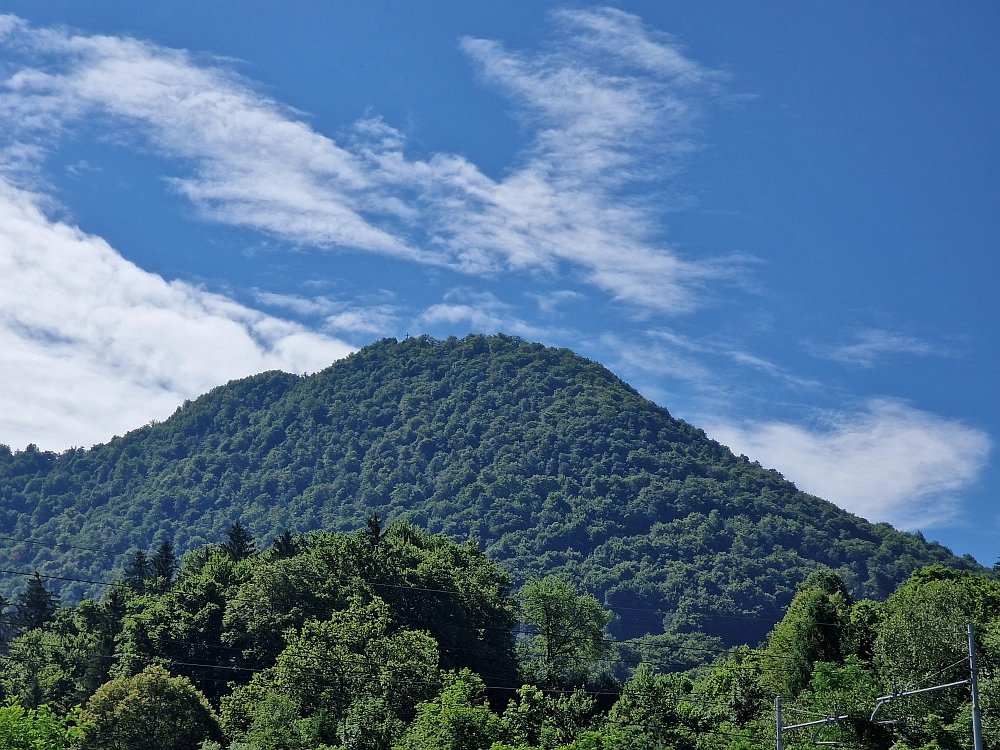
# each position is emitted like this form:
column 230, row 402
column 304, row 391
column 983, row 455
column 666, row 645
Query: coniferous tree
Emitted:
column 373, row 529
column 36, row 605
column 138, row 573
column 284, row 545
column 239, row 543
column 164, row 566
column 7, row 619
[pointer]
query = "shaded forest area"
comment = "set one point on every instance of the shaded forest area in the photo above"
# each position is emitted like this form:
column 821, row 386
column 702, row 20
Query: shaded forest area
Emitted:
column 391, row 638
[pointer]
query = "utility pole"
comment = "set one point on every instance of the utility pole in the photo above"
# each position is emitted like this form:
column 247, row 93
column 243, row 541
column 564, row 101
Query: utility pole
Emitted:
column 977, row 722
column 972, row 681
column 777, row 717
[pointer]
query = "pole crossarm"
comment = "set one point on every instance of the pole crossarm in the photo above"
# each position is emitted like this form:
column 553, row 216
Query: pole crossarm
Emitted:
column 887, row 699
column 971, row 681
column 818, row 723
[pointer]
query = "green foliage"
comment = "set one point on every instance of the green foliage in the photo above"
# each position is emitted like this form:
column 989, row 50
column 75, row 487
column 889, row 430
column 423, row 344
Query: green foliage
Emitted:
column 239, row 544
column 151, row 711
column 830, row 655
column 810, row 632
column 285, row 545
column 316, row 658
column 538, row 720
column 38, row 729
column 650, row 712
column 164, row 566
column 735, row 690
column 138, row 572
column 459, row 718
column 453, row 592
column 65, row 660
column 547, row 460
column 568, row 636
column 185, row 625
column 355, row 657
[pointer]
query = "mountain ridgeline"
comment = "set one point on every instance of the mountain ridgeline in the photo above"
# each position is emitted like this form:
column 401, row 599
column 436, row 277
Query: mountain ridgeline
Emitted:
column 544, row 459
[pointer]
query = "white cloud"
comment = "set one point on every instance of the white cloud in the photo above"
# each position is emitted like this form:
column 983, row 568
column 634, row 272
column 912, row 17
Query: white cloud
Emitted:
column 363, row 321
column 342, row 317
column 610, row 104
column 91, row 345
column 873, row 344
column 481, row 311
column 550, row 301
column 889, row 462
column 653, row 357
column 305, row 306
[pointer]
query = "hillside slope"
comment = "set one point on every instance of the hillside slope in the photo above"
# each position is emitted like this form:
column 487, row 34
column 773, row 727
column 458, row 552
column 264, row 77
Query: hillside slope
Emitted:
column 546, row 459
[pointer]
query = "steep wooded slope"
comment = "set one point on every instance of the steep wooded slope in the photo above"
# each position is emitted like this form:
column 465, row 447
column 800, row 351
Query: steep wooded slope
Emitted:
column 547, row 460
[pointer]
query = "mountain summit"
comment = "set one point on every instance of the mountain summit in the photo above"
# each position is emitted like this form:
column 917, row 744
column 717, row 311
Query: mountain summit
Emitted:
column 545, row 459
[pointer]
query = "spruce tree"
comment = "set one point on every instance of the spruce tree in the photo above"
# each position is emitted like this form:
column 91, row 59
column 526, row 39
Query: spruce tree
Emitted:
column 373, row 529
column 240, row 543
column 36, row 605
column 7, row 622
column 164, row 566
column 138, row 573
column 284, row 545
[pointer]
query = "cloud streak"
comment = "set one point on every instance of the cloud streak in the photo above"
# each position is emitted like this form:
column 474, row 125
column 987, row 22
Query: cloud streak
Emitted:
column 338, row 316
column 871, row 345
column 889, row 461
column 611, row 105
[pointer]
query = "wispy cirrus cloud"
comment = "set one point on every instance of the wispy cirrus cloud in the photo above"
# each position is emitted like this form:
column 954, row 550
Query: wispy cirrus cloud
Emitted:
column 550, row 302
column 611, row 105
column 350, row 318
column 888, row 461
column 872, row 345
column 716, row 346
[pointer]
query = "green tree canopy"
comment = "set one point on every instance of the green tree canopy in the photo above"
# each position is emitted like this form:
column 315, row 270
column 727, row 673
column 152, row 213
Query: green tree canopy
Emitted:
column 569, row 630
column 459, row 718
column 151, row 711
column 164, row 565
column 355, row 656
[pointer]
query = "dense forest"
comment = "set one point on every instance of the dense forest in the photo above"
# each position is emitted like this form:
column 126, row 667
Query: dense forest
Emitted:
column 391, row 638
column 545, row 460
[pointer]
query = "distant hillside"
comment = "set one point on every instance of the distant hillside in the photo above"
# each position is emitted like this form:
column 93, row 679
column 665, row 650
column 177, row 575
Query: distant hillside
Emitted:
column 547, row 460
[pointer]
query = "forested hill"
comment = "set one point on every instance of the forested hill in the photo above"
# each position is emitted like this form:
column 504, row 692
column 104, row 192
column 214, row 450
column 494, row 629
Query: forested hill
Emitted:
column 547, row 460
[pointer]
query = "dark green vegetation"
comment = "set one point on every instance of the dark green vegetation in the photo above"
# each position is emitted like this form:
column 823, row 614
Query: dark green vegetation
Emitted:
column 544, row 459
column 394, row 639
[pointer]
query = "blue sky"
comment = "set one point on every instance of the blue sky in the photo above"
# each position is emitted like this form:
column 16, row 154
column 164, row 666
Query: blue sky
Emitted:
column 776, row 220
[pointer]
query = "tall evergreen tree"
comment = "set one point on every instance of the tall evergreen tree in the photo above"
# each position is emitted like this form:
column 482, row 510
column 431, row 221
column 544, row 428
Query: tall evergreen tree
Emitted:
column 36, row 605
column 373, row 529
column 164, row 566
column 138, row 573
column 239, row 543
column 7, row 619
column 285, row 545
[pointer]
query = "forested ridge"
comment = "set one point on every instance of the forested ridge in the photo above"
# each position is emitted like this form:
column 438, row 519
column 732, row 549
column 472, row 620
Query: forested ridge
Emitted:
column 545, row 460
